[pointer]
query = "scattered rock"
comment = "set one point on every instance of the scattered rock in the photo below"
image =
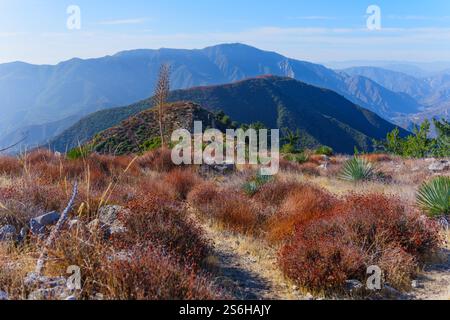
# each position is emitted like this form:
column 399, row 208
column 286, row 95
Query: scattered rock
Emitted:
column 353, row 285
column 439, row 165
column 221, row 169
column 108, row 221
column 3, row 296
column 109, row 214
column 391, row 293
column 39, row 224
column 45, row 288
column 8, row 233
column 416, row 284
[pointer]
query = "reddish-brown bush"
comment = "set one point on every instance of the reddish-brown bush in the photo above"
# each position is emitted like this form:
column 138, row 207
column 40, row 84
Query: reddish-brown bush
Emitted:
column 182, row 181
column 152, row 274
column 157, row 160
column 40, row 156
column 377, row 157
column 10, row 166
column 165, row 224
column 321, row 265
column 361, row 231
column 232, row 210
column 303, row 204
column 398, row 266
column 275, row 192
column 387, row 220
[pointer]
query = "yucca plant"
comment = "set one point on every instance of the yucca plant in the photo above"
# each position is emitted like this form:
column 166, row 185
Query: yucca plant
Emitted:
column 357, row 169
column 434, row 197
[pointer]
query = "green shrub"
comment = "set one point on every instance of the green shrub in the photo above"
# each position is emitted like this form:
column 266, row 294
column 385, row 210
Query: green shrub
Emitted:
column 151, row 144
column 357, row 169
column 288, row 149
column 434, row 197
column 252, row 187
column 79, row 152
column 299, row 158
column 324, row 150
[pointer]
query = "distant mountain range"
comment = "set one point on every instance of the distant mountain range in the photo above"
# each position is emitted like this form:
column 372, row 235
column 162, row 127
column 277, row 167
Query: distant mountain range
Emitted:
column 35, row 98
column 432, row 92
column 323, row 116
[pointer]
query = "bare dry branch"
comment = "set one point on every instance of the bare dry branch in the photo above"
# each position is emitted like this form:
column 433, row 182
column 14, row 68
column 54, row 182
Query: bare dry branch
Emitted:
column 55, row 232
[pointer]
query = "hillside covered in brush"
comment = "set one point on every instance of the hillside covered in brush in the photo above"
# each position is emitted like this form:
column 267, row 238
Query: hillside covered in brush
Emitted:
column 322, row 116
column 141, row 132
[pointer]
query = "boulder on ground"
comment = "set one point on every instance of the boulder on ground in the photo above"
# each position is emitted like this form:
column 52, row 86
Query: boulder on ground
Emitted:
column 38, row 224
column 8, row 233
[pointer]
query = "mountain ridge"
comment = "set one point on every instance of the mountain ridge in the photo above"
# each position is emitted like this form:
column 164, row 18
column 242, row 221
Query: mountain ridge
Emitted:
column 323, row 116
column 56, row 92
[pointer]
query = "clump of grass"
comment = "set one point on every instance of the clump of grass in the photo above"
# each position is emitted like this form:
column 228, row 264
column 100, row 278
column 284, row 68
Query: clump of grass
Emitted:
column 434, row 197
column 357, row 169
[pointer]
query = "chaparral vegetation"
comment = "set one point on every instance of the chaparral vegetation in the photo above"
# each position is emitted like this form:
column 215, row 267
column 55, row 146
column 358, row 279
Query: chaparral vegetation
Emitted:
column 142, row 228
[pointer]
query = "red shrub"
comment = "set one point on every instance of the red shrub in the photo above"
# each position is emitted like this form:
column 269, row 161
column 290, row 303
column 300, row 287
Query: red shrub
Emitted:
column 41, row 156
column 360, row 231
column 10, row 166
column 305, row 203
column 150, row 274
column 157, row 160
column 165, row 224
column 275, row 192
column 233, row 210
column 322, row 265
column 182, row 181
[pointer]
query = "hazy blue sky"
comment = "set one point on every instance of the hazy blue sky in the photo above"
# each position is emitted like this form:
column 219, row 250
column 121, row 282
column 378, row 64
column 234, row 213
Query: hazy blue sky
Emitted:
column 316, row 30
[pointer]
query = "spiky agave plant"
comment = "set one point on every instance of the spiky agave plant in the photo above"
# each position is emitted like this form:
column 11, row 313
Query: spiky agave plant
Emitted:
column 357, row 169
column 434, row 197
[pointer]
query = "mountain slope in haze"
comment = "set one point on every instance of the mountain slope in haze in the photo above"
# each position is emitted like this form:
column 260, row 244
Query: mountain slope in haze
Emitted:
column 36, row 95
column 323, row 116
column 433, row 92
column 394, row 81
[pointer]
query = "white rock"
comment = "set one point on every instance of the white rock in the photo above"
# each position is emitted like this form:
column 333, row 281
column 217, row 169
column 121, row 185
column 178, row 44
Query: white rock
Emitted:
column 439, row 166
